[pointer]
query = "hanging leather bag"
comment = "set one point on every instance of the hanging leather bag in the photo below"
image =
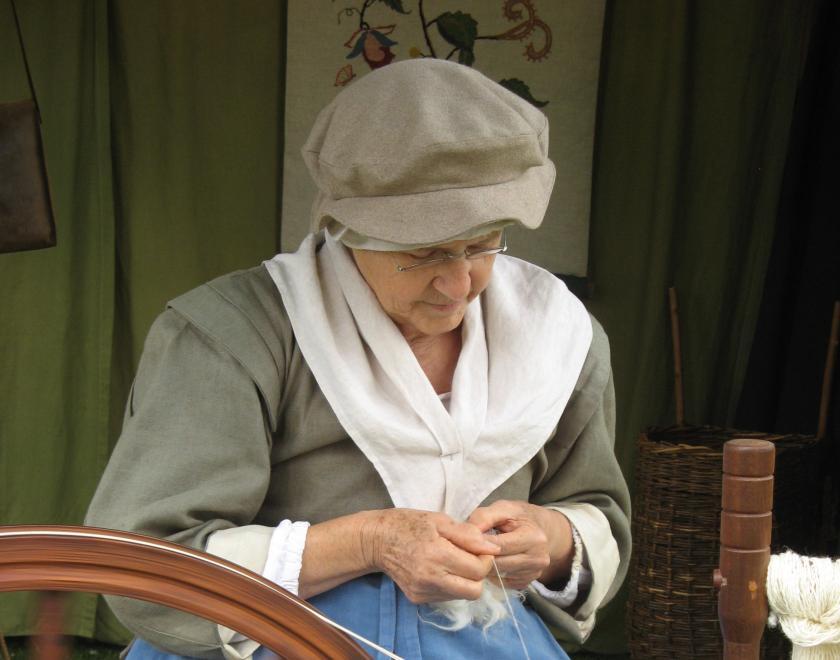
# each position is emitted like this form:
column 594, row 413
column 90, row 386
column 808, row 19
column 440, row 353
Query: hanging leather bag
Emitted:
column 26, row 214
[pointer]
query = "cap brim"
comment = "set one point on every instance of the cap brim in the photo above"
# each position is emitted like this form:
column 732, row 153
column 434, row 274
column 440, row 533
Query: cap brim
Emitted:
column 437, row 216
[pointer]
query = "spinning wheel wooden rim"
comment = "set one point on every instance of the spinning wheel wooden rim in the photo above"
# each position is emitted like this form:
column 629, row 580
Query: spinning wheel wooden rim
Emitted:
column 69, row 558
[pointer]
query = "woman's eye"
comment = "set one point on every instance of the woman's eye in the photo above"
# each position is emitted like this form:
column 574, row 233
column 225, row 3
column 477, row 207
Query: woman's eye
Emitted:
column 425, row 254
column 486, row 245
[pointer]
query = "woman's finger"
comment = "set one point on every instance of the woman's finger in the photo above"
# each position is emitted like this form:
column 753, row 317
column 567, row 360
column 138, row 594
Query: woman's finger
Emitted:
column 524, row 554
column 456, row 586
column 521, row 564
column 489, row 517
column 472, row 567
column 457, row 575
column 468, row 537
column 523, row 536
column 455, row 561
column 422, row 550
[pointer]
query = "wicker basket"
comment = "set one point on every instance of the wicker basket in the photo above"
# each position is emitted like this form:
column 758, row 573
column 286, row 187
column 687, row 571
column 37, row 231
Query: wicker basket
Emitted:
column 672, row 608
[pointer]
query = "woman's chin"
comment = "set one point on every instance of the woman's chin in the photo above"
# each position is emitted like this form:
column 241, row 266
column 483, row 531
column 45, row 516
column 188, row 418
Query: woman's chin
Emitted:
column 439, row 324
column 430, row 324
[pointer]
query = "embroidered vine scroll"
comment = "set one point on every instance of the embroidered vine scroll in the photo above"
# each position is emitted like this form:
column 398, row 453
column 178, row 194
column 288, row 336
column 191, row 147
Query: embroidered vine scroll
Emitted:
column 547, row 51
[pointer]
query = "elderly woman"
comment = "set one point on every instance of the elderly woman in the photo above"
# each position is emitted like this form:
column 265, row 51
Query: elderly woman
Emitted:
column 396, row 417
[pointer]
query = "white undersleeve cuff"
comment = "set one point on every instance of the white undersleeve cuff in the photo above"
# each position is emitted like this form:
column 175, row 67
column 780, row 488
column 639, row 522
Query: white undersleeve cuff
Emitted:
column 285, row 554
column 579, row 582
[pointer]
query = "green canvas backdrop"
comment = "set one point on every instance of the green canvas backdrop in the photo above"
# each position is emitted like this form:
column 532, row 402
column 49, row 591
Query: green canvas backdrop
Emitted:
column 56, row 314
column 162, row 132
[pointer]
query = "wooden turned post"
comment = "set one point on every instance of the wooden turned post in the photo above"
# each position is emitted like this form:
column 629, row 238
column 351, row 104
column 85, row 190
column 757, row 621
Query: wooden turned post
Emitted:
column 49, row 642
column 746, row 521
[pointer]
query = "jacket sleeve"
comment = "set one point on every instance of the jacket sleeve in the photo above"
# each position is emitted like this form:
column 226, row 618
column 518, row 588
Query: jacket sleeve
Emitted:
column 580, row 477
column 193, row 459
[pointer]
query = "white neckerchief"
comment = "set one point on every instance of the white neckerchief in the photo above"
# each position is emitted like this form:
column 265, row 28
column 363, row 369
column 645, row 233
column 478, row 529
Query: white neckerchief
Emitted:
column 524, row 341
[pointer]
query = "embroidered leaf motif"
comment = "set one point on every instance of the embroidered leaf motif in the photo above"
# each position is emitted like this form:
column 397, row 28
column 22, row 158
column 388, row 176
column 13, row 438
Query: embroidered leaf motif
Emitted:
column 458, row 28
column 519, row 88
column 381, row 38
column 396, row 5
column 466, row 57
column 358, row 47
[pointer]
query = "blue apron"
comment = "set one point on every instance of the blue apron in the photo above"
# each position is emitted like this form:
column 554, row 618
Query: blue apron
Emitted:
column 376, row 609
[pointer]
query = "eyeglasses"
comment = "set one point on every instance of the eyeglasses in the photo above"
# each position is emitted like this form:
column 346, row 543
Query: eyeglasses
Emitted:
column 468, row 253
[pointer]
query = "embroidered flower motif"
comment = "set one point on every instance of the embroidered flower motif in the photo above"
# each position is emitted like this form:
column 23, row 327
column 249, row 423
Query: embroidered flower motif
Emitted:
column 373, row 45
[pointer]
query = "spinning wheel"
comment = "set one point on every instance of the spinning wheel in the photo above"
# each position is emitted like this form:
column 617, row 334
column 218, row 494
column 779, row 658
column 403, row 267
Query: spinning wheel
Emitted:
column 66, row 558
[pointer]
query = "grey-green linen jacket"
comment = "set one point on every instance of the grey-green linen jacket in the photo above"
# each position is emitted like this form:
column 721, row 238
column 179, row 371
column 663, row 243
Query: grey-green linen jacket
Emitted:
column 226, row 427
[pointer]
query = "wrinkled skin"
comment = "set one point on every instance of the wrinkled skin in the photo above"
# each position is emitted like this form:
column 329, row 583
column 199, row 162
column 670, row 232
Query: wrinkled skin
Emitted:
column 536, row 543
column 430, row 556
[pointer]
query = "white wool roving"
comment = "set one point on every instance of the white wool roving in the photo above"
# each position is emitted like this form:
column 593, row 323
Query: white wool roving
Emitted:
column 804, row 596
column 490, row 608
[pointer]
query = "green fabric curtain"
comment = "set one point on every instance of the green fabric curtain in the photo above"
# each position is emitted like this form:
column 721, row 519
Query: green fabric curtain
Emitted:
column 695, row 114
column 197, row 121
column 696, row 111
column 197, row 116
column 162, row 123
column 56, row 306
column 163, row 129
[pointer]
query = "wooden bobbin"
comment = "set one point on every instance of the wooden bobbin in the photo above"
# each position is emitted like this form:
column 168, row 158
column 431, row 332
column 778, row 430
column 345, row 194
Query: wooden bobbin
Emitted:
column 745, row 525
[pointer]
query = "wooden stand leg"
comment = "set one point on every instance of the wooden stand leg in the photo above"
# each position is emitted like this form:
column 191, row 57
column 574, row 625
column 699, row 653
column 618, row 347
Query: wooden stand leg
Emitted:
column 4, row 650
column 745, row 527
column 50, row 638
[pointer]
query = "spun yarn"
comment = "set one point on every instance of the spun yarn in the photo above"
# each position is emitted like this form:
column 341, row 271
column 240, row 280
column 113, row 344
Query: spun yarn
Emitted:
column 804, row 597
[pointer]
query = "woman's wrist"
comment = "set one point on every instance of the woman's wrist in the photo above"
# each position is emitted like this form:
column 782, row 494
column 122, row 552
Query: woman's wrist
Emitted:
column 561, row 547
column 370, row 526
column 338, row 550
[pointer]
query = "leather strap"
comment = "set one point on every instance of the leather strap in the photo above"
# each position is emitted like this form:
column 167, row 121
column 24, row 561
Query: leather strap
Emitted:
column 25, row 61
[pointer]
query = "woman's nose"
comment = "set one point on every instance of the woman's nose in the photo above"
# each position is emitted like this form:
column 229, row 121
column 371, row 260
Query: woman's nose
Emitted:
column 454, row 279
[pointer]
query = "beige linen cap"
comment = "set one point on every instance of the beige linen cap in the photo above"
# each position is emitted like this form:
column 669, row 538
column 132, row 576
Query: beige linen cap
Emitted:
column 423, row 150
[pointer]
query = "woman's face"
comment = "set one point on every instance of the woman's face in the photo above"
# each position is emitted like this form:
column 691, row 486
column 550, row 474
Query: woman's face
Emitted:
column 430, row 300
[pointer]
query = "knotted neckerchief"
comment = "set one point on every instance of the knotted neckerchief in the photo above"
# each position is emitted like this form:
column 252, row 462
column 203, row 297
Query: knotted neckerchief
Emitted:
column 524, row 342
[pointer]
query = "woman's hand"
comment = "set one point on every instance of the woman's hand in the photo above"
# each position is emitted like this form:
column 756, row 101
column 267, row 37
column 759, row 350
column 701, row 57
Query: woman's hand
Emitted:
column 429, row 555
column 536, row 542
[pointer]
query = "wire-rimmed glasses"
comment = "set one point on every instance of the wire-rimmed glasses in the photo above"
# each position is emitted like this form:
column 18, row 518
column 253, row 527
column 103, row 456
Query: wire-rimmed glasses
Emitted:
column 468, row 253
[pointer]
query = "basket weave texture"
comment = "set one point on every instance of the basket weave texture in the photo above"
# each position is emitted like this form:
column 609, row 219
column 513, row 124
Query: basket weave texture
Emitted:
column 672, row 607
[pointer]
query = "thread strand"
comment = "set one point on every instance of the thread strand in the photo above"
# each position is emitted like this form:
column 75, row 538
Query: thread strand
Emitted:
column 510, row 609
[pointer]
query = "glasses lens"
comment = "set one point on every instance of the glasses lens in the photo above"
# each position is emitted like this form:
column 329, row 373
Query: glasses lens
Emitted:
column 421, row 263
column 484, row 252
column 468, row 254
